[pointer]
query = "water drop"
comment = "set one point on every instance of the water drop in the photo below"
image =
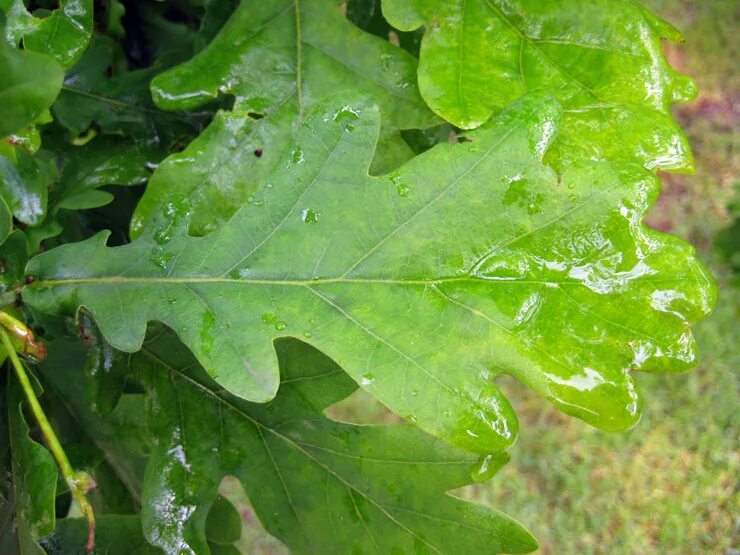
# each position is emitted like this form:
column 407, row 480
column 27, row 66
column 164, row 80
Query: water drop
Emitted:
column 280, row 326
column 206, row 331
column 402, row 189
column 307, row 334
column 385, row 61
column 367, row 379
column 485, row 469
column 296, row 156
column 310, row 216
column 347, row 116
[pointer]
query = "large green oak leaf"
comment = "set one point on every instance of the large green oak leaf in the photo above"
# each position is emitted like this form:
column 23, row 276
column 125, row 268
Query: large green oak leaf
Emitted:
column 277, row 58
column 470, row 260
column 602, row 59
column 319, row 485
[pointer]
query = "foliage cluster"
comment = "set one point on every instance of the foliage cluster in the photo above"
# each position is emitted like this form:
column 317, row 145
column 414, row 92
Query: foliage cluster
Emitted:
column 224, row 218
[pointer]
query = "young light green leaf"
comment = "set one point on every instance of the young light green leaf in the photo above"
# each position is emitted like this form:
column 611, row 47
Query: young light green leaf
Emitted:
column 318, row 485
column 30, row 84
column 62, row 33
column 278, row 58
column 601, row 59
column 472, row 259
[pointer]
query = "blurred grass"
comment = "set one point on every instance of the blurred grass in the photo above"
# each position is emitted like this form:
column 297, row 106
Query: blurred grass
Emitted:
column 669, row 486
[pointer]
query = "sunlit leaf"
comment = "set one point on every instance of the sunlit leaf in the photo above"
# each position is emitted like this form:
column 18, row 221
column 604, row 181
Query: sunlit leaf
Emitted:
column 601, row 59
column 473, row 259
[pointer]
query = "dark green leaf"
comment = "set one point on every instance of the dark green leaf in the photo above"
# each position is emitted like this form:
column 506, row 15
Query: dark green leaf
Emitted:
column 34, row 480
column 62, row 33
column 224, row 523
column 115, row 535
column 472, row 259
column 29, row 85
column 319, row 485
column 277, row 59
column 120, row 104
column 24, row 186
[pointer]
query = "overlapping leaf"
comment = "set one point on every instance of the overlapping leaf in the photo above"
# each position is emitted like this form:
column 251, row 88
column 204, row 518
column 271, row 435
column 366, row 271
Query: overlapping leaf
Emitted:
column 601, row 59
column 30, row 84
column 118, row 104
column 116, row 535
column 319, row 485
column 472, row 259
column 27, row 499
column 62, row 33
column 277, row 59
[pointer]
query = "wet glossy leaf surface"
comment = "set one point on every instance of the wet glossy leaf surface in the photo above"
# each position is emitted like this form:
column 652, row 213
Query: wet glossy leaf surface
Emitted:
column 602, row 59
column 31, row 489
column 277, row 59
column 471, row 260
column 119, row 104
column 320, row 486
column 62, row 33
column 30, row 83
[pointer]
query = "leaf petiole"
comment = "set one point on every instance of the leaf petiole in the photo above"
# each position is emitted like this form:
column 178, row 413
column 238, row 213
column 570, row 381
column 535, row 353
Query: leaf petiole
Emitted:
column 78, row 482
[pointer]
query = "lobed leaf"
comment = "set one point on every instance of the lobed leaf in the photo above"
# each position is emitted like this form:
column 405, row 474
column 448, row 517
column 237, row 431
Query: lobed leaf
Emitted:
column 319, row 485
column 601, row 59
column 277, row 59
column 470, row 260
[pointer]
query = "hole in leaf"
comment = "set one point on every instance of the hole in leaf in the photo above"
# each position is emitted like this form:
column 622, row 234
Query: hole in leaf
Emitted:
column 258, row 153
column 255, row 115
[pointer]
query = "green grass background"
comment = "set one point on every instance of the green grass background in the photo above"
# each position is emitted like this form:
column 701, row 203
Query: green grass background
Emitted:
column 670, row 485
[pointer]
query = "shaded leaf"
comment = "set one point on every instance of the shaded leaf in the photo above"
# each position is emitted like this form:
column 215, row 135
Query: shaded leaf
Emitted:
column 320, row 486
column 24, row 186
column 224, row 523
column 277, row 59
column 115, row 535
column 30, row 84
column 62, row 33
column 120, row 104
column 34, row 480
column 472, row 259
column 13, row 259
column 601, row 59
